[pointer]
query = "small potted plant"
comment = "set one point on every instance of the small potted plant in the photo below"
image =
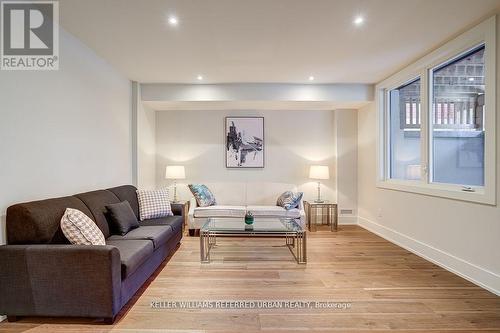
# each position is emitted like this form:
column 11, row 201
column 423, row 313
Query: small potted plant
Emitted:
column 249, row 218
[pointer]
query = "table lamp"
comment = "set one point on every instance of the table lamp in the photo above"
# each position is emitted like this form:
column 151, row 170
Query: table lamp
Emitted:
column 175, row 172
column 319, row 172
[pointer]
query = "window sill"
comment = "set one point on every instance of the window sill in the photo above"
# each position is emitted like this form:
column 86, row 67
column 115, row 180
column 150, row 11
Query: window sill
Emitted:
column 440, row 190
column 447, row 134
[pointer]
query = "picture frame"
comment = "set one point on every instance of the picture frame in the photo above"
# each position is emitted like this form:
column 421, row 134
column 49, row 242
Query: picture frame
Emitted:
column 244, row 142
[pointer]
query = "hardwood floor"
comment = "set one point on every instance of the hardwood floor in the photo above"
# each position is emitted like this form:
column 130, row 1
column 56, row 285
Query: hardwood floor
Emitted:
column 389, row 289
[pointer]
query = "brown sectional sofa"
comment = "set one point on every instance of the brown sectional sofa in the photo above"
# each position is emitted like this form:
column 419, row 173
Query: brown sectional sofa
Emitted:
column 42, row 274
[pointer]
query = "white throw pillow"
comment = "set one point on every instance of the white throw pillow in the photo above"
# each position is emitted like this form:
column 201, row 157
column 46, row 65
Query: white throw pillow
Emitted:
column 153, row 204
column 79, row 229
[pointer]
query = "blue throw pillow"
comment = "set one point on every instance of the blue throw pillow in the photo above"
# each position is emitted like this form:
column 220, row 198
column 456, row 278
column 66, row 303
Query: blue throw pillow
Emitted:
column 289, row 200
column 202, row 194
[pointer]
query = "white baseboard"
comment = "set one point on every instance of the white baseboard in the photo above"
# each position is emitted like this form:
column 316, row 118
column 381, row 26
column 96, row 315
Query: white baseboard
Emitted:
column 475, row 274
column 348, row 220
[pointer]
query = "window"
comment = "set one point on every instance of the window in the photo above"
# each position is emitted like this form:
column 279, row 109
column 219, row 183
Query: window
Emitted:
column 457, row 120
column 436, row 121
column 404, row 110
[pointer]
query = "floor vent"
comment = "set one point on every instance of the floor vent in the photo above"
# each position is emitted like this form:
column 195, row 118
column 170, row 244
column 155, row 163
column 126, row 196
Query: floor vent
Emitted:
column 346, row 212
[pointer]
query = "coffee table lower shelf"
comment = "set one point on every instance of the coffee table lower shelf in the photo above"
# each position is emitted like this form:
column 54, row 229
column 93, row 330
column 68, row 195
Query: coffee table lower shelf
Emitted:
column 294, row 240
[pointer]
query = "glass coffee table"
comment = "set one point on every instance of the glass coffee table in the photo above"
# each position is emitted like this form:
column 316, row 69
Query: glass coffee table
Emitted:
column 289, row 229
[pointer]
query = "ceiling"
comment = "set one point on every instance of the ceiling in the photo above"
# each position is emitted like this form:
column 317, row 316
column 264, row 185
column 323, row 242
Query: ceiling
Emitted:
column 266, row 40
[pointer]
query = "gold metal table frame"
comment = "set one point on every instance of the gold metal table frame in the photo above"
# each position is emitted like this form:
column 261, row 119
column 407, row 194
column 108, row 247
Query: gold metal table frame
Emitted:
column 295, row 240
column 324, row 212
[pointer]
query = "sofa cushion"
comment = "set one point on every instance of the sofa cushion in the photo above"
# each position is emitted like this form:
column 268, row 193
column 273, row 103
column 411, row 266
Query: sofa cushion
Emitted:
column 158, row 234
column 127, row 193
column 220, row 211
column 273, row 211
column 267, row 211
column 97, row 201
column 39, row 222
column 79, row 229
column 133, row 253
column 121, row 218
column 153, row 204
column 293, row 213
column 175, row 222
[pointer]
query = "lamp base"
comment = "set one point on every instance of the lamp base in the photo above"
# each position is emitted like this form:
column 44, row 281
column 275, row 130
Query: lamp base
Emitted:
column 318, row 199
column 176, row 200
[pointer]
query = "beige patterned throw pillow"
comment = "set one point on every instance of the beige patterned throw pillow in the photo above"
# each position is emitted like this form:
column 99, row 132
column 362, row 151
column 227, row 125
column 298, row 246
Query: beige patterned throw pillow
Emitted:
column 79, row 229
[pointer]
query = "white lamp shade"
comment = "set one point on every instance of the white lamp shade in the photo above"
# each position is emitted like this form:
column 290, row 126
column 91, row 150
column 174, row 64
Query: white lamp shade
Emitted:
column 175, row 172
column 319, row 172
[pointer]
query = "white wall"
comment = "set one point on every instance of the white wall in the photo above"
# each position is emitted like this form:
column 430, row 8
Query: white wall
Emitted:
column 336, row 92
column 65, row 131
column 146, row 146
column 293, row 141
column 346, row 129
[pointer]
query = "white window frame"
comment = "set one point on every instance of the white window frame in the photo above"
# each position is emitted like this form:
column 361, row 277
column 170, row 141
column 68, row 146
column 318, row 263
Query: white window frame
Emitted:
column 483, row 33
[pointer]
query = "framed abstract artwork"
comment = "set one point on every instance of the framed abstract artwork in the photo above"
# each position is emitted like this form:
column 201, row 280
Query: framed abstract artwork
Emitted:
column 244, row 142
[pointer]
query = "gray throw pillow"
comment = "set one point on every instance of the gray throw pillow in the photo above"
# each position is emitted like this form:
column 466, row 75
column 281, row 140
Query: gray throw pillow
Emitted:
column 121, row 218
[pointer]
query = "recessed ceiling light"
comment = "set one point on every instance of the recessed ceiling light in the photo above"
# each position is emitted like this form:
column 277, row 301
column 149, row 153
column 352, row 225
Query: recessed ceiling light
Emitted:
column 199, row 77
column 173, row 21
column 358, row 20
column 471, row 79
column 311, row 78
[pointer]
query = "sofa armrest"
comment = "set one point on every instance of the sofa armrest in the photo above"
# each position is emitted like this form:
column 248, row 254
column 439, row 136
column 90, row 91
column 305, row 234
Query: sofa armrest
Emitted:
column 303, row 219
column 177, row 209
column 301, row 206
column 60, row 280
column 192, row 205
